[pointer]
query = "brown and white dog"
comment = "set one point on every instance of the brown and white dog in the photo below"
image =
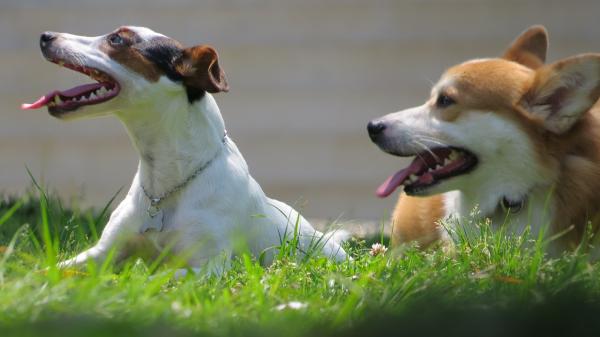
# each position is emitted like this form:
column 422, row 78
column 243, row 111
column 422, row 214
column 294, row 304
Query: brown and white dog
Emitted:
column 192, row 194
column 511, row 136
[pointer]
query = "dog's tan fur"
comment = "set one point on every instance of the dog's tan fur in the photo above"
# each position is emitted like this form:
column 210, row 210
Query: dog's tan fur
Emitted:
column 416, row 219
column 515, row 86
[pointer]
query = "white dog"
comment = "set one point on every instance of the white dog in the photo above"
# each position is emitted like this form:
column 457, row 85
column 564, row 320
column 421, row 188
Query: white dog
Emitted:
column 192, row 193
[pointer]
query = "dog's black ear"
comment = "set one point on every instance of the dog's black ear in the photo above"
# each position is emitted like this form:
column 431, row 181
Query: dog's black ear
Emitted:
column 200, row 70
column 529, row 48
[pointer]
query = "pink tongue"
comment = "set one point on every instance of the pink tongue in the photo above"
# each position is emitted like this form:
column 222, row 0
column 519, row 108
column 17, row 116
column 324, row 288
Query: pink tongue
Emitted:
column 391, row 183
column 73, row 92
column 42, row 101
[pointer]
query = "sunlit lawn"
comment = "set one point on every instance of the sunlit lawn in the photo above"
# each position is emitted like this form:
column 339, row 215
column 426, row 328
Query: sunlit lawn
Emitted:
column 492, row 284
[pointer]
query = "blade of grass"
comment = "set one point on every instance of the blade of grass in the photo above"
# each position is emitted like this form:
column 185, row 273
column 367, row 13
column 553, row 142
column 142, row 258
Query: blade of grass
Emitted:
column 53, row 273
column 11, row 211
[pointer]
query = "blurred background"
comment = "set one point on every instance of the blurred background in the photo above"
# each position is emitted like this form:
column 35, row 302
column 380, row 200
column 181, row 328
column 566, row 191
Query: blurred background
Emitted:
column 305, row 75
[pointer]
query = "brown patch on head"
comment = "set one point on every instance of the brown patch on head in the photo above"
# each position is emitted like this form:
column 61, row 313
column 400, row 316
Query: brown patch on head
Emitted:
column 123, row 46
column 196, row 68
column 549, row 99
column 488, row 84
column 492, row 85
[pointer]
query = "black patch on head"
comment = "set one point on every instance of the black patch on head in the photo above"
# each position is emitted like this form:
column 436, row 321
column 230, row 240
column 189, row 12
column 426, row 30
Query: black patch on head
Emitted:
column 164, row 52
column 194, row 94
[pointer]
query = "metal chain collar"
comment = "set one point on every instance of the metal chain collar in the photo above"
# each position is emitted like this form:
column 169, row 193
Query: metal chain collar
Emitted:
column 155, row 202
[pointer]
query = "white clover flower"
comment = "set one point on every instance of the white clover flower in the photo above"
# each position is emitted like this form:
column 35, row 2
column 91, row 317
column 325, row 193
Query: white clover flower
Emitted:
column 378, row 249
column 294, row 305
column 178, row 308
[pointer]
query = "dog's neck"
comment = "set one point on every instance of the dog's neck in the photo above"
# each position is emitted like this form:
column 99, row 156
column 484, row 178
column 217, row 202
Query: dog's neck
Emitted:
column 485, row 195
column 174, row 139
column 565, row 192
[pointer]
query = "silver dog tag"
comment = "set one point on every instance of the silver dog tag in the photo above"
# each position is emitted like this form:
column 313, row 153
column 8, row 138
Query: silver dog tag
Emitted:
column 153, row 223
column 153, row 209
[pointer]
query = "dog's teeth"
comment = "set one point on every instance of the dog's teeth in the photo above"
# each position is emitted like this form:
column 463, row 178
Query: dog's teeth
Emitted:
column 61, row 63
column 446, row 161
column 453, row 155
column 102, row 91
column 92, row 96
column 57, row 100
column 412, row 178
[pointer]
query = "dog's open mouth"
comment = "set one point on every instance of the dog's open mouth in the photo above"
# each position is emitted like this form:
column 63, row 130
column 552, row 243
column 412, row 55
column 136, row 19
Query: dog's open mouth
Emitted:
column 59, row 102
column 429, row 168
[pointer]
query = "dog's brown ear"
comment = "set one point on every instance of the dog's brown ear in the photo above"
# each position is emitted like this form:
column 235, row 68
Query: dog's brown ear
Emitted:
column 199, row 68
column 529, row 48
column 562, row 92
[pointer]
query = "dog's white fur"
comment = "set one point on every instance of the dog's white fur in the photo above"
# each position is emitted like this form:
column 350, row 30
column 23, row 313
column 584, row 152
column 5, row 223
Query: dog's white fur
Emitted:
column 220, row 207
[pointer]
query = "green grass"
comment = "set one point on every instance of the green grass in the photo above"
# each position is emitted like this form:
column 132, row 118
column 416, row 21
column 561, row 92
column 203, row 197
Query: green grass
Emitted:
column 492, row 284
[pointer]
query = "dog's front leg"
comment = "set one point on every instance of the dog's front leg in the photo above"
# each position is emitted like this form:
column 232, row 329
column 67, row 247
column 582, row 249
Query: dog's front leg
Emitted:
column 122, row 226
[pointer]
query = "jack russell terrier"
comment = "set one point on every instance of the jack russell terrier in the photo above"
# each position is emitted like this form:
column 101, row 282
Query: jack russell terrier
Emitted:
column 192, row 192
column 511, row 136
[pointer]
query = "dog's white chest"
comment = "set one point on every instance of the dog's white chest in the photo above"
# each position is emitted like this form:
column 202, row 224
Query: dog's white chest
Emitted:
column 535, row 213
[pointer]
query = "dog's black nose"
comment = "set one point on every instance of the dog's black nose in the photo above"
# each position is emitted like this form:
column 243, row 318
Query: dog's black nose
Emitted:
column 375, row 128
column 46, row 38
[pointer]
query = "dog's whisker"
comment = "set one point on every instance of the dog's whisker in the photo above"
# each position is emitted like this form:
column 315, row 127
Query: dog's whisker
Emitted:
column 432, row 140
column 424, row 147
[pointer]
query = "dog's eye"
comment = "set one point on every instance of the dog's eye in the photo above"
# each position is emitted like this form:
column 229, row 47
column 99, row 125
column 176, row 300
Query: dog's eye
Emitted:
column 116, row 40
column 444, row 101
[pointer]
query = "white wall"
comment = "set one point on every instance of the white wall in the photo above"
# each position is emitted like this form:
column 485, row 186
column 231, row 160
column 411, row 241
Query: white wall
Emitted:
column 305, row 78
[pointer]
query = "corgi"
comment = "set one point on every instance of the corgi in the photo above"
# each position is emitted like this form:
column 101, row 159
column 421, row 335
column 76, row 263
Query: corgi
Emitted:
column 511, row 139
column 192, row 195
